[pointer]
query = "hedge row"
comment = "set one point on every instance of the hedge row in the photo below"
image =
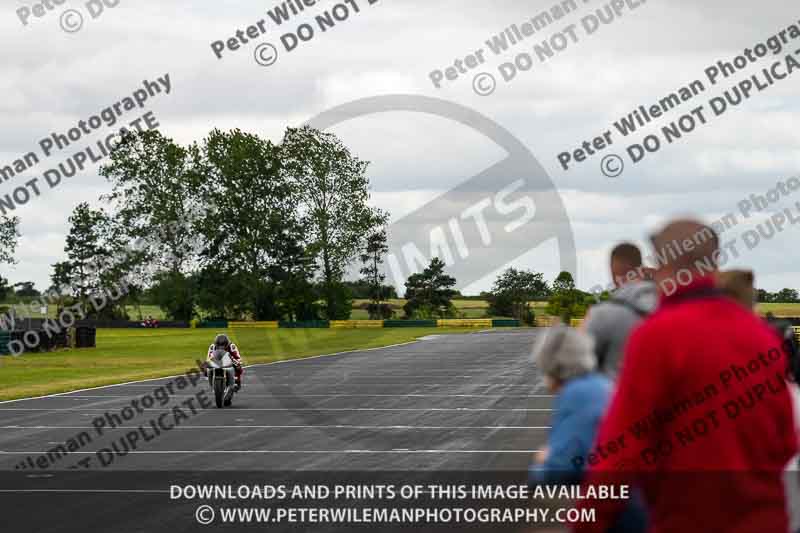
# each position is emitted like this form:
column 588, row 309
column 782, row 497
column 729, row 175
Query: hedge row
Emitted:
column 339, row 324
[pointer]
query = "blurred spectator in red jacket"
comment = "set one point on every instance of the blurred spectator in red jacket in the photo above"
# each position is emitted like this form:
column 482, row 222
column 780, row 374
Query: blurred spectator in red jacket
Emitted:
column 701, row 419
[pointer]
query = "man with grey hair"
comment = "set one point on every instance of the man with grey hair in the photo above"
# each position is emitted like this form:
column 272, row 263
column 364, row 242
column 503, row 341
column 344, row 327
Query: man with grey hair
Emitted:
column 565, row 358
column 702, row 391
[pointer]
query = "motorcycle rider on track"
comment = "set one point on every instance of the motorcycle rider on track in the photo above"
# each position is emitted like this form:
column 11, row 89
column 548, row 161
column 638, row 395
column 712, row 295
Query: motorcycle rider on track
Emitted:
column 222, row 342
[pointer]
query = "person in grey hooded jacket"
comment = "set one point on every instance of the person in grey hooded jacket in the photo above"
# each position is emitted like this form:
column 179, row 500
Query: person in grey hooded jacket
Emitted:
column 611, row 322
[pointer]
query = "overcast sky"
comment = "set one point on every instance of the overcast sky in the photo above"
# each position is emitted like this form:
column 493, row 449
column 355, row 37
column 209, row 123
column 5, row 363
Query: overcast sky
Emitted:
column 50, row 79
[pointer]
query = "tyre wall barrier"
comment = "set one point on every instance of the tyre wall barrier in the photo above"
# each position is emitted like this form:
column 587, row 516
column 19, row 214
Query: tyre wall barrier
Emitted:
column 303, row 324
column 409, row 323
column 505, row 323
column 213, row 324
column 32, row 340
column 356, row 324
column 85, row 337
column 254, row 325
column 464, row 323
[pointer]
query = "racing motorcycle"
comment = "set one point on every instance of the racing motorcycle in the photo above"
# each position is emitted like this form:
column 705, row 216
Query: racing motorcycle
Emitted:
column 221, row 376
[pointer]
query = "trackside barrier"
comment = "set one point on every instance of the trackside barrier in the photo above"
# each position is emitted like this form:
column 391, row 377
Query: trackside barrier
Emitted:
column 795, row 321
column 505, row 323
column 42, row 340
column 254, row 325
column 85, row 337
column 464, row 323
column 303, row 324
column 128, row 324
column 356, row 324
column 363, row 324
column 546, row 321
column 213, row 324
column 409, row 323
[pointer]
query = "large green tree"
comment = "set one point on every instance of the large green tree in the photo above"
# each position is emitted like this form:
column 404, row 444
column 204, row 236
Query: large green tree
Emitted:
column 92, row 268
column 9, row 234
column 157, row 199
column 256, row 225
column 429, row 293
column 513, row 291
column 333, row 190
column 566, row 301
column 157, row 202
column 293, row 274
column 375, row 248
column 86, row 251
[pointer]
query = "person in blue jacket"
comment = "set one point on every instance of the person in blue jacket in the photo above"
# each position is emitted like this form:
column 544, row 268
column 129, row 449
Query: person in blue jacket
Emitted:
column 566, row 360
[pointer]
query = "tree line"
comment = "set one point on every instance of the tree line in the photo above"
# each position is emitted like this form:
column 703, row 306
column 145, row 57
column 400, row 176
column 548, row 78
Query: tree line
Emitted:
column 783, row 296
column 234, row 225
column 239, row 227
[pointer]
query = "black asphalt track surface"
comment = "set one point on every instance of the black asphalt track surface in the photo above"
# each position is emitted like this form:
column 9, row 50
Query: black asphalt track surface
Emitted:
column 460, row 408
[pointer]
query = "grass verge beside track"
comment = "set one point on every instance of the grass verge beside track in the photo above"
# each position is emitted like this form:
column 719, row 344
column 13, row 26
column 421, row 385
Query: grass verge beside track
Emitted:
column 134, row 354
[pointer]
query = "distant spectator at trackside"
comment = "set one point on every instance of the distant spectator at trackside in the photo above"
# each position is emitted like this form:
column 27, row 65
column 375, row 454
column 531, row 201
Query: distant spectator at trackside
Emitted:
column 705, row 440
column 565, row 357
column 740, row 285
column 611, row 322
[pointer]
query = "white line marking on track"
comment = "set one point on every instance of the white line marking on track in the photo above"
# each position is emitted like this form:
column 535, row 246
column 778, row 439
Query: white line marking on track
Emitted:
column 340, row 395
column 291, row 410
column 348, row 375
column 342, row 426
column 278, row 452
column 382, row 385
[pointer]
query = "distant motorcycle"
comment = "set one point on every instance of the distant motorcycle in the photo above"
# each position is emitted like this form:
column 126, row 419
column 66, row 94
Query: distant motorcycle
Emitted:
column 222, row 377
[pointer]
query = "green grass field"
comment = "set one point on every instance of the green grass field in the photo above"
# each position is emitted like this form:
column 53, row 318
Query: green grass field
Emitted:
column 792, row 310
column 132, row 354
